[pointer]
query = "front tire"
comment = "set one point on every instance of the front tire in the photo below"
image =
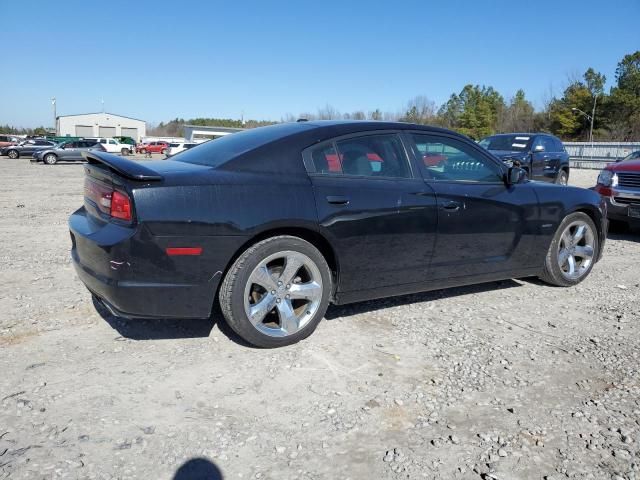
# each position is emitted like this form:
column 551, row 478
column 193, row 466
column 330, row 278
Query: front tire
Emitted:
column 50, row 159
column 276, row 292
column 562, row 178
column 13, row 154
column 572, row 252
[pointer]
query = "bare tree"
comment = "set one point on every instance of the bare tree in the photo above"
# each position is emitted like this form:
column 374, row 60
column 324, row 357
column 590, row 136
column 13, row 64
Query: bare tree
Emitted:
column 328, row 113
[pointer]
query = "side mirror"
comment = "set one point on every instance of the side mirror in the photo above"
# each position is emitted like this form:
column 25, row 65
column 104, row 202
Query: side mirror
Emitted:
column 538, row 148
column 516, row 175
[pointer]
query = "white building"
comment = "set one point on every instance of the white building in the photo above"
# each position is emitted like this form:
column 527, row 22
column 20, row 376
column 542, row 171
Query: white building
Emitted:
column 100, row 125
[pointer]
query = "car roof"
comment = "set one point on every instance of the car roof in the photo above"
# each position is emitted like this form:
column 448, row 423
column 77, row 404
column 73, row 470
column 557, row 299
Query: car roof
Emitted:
column 522, row 133
column 334, row 128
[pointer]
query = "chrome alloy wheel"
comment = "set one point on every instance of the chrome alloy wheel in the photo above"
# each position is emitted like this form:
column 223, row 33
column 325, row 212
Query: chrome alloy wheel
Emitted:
column 283, row 293
column 576, row 250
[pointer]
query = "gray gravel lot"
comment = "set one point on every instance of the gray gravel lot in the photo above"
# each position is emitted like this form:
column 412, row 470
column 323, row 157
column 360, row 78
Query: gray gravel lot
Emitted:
column 507, row 380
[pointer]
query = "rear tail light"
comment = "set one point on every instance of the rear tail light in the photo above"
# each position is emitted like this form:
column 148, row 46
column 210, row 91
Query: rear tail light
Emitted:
column 111, row 202
column 120, row 206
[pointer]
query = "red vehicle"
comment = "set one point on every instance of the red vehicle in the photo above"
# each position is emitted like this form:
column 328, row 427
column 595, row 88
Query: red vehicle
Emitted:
column 8, row 140
column 153, row 147
column 619, row 183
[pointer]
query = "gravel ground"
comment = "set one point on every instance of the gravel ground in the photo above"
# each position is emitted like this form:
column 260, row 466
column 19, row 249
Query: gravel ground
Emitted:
column 506, row 380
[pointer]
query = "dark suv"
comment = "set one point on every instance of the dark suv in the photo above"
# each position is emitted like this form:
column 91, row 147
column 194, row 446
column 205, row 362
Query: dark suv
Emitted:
column 542, row 155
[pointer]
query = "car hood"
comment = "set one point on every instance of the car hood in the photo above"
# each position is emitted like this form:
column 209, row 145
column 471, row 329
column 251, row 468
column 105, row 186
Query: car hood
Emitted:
column 628, row 166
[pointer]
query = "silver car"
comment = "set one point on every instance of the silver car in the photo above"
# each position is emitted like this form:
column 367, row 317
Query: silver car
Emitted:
column 68, row 151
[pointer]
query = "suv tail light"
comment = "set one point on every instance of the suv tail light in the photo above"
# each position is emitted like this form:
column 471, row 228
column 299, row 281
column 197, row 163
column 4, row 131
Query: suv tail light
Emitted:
column 111, row 202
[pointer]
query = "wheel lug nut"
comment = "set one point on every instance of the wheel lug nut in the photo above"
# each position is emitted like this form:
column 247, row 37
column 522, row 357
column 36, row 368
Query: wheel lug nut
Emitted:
column 279, row 283
column 288, row 296
column 288, row 286
column 273, row 292
column 277, row 300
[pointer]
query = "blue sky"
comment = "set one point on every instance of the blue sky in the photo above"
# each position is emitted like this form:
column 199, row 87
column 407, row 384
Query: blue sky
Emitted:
column 160, row 60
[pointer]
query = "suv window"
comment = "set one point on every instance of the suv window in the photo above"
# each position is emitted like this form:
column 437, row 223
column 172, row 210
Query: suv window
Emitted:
column 549, row 144
column 447, row 159
column 369, row 156
column 558, row 144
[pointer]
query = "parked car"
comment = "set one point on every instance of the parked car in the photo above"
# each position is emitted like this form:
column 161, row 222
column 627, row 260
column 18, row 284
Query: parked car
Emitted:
column 153, row 147
column 543, row 156
column 26, row 148
column 619, row 184
column 260, row 217
column 9, row 140
column 67, row 151
column 631, row 156
column 112, row 145
column 175, row 148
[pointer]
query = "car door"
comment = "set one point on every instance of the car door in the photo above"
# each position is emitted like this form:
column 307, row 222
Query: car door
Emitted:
column 380, row 218
column 556, row 152
column 68, row 151
column 484, row 225
column 540, row 154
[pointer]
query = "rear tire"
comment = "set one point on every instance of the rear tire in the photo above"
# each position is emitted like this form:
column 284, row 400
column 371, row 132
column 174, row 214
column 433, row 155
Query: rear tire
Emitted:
column 571, row 255
column 13, row 154
column 164, row 151
column 144, row 150
column 50, row 159
column 124, row 152
column 297, row 286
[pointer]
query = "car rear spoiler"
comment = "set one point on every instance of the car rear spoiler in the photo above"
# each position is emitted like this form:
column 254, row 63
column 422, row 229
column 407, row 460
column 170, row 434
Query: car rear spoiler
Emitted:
column 126, row 168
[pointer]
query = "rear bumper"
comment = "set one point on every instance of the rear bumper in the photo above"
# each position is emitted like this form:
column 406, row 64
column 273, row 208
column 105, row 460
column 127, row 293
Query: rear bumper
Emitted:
column 129, row 271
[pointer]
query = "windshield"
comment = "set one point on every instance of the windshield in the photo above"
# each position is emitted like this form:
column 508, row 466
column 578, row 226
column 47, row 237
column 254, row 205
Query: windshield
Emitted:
column 632, row 156
column 219, row 151
column 513, row 143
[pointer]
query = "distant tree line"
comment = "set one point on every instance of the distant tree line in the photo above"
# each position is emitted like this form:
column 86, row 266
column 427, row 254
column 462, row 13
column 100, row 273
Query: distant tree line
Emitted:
column 22, row 131
column 478, row 111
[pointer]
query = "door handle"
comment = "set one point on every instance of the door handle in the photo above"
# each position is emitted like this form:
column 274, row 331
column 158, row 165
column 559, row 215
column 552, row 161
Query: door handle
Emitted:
column 451, row 206
column 338, row 200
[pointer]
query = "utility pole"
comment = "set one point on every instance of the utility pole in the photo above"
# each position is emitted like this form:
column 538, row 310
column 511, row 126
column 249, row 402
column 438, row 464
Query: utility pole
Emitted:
column 55, row 117
column 593, row 115
column 590, row 118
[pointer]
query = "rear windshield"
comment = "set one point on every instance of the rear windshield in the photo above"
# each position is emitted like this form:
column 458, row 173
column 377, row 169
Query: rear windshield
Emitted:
column 219, row 151
column 514, row 143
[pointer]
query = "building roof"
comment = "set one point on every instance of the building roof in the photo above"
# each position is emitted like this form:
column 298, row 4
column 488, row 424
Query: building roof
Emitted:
column 101, row 113
column 213, row 128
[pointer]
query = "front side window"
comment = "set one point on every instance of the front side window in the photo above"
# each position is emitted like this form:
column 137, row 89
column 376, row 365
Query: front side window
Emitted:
column 509, row 143
column 447, row 159
column 368, row 156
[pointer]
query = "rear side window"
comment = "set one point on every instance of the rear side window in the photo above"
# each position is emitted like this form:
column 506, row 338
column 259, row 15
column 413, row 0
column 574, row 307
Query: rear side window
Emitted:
column 368, row 156
column 217, row 152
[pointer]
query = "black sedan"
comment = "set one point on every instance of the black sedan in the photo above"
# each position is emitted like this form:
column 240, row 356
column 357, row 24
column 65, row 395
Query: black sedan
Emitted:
column 277, row 222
